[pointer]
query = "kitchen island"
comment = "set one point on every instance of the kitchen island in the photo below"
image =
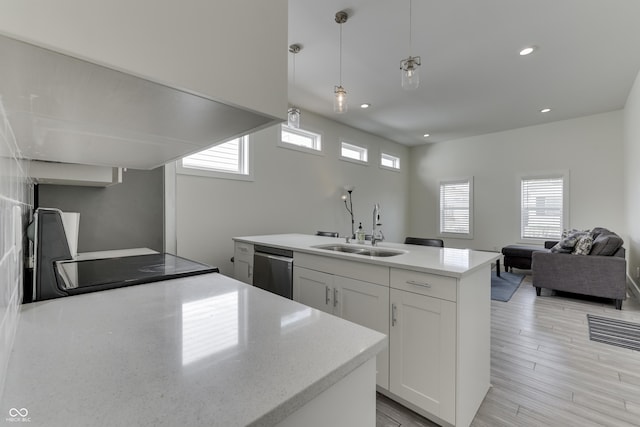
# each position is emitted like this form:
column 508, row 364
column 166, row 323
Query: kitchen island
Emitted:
column 203, row 350
column 433, row 303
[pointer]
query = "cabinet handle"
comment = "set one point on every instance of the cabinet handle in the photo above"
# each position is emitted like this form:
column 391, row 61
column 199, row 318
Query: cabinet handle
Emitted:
column 335, row 296
column 248, row 270
column 423, row 284
column 327, row 295
column 393, row 315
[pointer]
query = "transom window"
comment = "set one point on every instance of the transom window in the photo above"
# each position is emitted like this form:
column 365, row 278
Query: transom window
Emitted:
column 389, row 161
column 353, row 152
column 456, row 208
column 542, row 207
column 299, row 139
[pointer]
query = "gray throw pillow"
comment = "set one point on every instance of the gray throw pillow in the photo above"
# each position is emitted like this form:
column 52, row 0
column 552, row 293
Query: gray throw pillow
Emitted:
column 606, row 244
column 598, row 231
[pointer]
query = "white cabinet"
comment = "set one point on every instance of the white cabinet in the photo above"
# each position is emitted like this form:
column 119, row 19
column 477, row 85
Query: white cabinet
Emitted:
column 422, row 347
column 313, row 288
column 439, row 343
column 360, row 302
column 366, row 304
column 243, row 262
column 438, row 359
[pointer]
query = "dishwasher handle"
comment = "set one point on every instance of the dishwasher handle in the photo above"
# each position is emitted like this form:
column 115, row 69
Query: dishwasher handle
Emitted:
column 274, row 257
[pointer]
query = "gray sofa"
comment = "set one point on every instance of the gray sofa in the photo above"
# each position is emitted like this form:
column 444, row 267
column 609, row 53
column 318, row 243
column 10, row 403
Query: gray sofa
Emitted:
column 601, row 272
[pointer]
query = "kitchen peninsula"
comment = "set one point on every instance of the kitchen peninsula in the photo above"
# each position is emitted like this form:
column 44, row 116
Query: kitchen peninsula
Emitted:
column 433, row 303
column 202, row 350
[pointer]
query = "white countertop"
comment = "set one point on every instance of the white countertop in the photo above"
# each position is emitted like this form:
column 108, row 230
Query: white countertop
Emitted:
column 444, row 261
column 203, row 350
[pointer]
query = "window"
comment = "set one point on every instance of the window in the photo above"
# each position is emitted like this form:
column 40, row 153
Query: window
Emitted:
column 353, row 152
column 300, row 139
column 542, row 207
column 388, row 161
column 227, row 160
column 456, row 208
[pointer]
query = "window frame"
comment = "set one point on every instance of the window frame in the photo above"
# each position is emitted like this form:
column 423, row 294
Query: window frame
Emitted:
column 448, row 234
column 390, row 168
column 316, row 135
column 357, row 147
column 564, row 175
column 246, row 157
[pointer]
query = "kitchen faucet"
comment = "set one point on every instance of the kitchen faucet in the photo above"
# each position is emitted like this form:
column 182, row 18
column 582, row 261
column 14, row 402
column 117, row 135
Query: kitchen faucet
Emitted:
column 376, row 235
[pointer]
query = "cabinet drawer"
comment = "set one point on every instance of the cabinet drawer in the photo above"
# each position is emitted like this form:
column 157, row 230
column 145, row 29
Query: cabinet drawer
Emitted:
column 243, row 250
column 425, row 284
column 371, row 273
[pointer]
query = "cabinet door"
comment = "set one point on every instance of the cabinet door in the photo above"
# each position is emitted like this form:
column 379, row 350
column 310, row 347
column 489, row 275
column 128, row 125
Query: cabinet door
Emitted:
column 366, row 304
column 313, row 288
column 423, row 352
column 242, row 270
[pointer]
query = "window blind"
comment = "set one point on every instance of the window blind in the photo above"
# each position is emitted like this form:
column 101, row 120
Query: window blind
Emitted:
column 226, row 157
column 455, row 207
column 542, row 210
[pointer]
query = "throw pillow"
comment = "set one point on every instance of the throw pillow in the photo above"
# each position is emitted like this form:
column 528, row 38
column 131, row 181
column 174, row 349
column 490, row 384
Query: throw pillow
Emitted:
column 583, row 246
column 606, row 244
column 598, row 231
column 567, row 243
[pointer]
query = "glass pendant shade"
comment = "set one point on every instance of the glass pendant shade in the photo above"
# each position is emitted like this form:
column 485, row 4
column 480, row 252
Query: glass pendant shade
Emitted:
column 293, row 117
column 410, row 72
column 340, row 100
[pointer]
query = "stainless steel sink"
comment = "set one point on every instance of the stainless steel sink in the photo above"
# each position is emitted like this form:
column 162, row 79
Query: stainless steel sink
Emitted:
column 374, row 252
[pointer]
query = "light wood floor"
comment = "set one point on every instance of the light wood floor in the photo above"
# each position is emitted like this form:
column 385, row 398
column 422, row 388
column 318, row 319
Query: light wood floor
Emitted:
column 544, row 369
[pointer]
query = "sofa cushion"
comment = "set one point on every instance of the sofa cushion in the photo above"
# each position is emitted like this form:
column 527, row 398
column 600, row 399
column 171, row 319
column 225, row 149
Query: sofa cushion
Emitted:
column 606, row 244
column 583, row 246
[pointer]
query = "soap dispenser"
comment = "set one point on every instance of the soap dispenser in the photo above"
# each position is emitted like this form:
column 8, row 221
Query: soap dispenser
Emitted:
column 360, row 234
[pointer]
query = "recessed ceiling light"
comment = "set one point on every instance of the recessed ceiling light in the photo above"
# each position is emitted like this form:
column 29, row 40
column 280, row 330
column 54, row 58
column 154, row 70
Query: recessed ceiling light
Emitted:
column 545, row 110
column 527, row 50
column 426, row 135
column 365, row 105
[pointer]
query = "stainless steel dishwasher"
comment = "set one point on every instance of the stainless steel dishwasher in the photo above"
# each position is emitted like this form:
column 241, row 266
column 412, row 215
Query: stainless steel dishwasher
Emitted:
column 273, row 270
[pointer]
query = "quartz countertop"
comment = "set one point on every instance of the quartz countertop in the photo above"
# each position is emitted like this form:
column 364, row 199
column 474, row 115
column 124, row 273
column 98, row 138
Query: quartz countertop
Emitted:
column 444, row 261
column 202, row 350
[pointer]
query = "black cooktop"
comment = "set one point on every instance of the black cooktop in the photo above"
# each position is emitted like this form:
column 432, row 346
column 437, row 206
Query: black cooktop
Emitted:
column 77, row 277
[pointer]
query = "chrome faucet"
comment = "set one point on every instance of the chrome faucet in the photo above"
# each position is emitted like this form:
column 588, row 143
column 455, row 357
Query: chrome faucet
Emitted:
column 376, row 235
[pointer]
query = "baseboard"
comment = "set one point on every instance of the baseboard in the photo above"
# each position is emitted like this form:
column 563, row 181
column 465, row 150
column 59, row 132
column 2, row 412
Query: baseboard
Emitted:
column 633, row 287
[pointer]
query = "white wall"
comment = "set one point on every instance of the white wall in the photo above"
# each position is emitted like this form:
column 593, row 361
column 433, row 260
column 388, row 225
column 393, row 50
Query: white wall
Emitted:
column 15, row 208
column 632, row 179
column 292, row 192
column 590, row 148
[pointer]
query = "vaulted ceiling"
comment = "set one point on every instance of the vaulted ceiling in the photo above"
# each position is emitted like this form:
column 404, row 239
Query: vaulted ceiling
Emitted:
column 473, row 80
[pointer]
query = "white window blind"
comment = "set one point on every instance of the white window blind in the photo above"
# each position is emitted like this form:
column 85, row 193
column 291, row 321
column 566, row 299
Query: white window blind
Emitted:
column 542, row 207
column 354, row 152
column 455, row 207
column 230, row 157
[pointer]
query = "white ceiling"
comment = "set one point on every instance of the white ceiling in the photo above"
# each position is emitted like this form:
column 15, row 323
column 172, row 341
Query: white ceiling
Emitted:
column 473, row 81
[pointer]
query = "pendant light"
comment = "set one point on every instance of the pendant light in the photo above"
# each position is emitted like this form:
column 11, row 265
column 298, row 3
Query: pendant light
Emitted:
column 340, row 95
column 293, row 114
column 409, row 66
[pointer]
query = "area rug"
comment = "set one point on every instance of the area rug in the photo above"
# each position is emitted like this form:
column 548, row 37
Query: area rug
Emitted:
column 503, row 287
column 615, row 332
